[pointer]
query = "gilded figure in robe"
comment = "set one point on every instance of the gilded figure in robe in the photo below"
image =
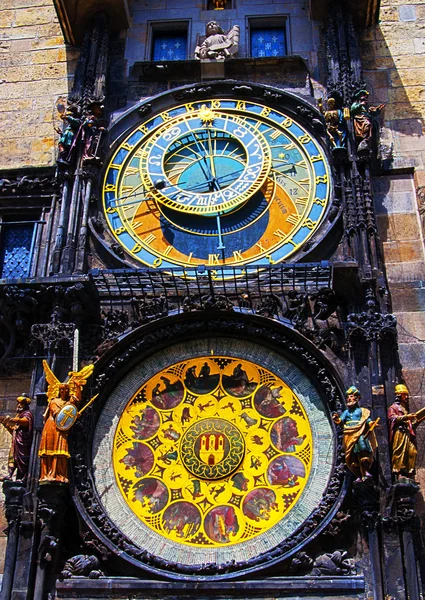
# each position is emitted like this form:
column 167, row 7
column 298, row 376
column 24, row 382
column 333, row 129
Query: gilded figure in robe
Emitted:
column 359, row 441
column 402, row 434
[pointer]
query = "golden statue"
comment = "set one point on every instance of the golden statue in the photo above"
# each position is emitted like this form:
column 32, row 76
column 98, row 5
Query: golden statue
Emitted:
column 402, row 433
column 359, row 441
column 59, row 416
column 363, row 118
column 335, row 119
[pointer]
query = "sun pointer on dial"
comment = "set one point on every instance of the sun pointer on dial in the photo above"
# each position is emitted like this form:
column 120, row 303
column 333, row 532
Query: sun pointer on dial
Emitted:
column 206, row 115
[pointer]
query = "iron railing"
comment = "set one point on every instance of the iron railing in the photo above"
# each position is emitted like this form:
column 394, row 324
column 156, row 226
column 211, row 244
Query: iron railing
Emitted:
column 207, row 287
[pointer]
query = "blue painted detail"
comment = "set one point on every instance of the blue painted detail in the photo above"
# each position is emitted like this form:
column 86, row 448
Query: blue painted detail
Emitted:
column 112, row 176
column 155, row 122
column 310, row 148
column 276, row 117
column 194, row 176
column 257, row 110
column 321, row 190
column 127, row 240
column 120, row 156
column 116, row 220
column 136, row 137
column 315, row 213
column 254, row 108
column 17, row 250
column 169, row 46
column 228, row 104
column 177, row 111
column 268, row 41
column 319, row 168
column 297, row 131
column 110, row 199
column 135, row 162
column 145, row 256
column 202, row 246
column 301, row 235
column 282, row 252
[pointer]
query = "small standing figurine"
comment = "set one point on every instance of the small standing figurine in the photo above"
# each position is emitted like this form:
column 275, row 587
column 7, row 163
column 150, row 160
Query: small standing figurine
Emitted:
column 402, row 433
column 59, row 416
column 363, row 116
column 68, row 136
column 335, row 122
column 359, row 441
column 21, row 428
column 218, row 45
column 93, row 128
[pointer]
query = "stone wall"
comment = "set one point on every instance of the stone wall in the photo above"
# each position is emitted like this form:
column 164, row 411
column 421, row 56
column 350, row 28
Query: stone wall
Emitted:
column 393, row 57
column 35, row 72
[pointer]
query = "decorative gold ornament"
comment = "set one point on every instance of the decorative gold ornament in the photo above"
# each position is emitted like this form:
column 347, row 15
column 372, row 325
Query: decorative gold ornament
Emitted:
column 206, row 115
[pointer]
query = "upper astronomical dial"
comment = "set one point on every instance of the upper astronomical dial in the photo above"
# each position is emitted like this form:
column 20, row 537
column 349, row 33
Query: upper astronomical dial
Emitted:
column 203, row 167
column 223, row 183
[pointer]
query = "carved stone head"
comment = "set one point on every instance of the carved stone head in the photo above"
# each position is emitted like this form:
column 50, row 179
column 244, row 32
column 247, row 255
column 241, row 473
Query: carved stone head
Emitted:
column 213, row 28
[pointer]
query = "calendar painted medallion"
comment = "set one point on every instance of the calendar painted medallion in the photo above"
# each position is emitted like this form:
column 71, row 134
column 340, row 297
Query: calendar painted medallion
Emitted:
column 213, row 452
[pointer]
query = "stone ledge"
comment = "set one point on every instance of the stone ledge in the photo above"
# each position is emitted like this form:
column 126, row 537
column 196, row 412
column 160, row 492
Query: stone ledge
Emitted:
column 115, row 587
column 75, row 17
column 364, row 12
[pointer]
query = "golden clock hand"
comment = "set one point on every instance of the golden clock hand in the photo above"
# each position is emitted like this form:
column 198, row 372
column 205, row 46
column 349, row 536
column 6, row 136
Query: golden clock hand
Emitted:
column 220, row 179
column 211, row 153
column 220, row 246
column 201, row 149
column 115, row 200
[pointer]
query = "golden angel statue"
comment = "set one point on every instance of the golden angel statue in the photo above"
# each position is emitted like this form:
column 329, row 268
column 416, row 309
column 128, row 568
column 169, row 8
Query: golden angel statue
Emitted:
column 61, row 413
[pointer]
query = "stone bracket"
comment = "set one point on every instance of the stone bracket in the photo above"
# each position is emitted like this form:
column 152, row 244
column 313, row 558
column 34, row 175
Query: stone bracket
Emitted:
column 76, row 17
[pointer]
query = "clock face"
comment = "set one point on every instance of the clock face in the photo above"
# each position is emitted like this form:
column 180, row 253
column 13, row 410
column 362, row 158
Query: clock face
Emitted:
column 203, row 455
column 220, row 182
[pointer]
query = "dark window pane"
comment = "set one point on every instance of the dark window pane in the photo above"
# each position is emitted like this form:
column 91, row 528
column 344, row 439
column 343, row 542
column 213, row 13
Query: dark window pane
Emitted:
column 169, row 46
column 17, row 250
column 268, row 41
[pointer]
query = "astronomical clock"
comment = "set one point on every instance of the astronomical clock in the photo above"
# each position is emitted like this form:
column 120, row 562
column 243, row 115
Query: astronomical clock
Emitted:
column 213, row 455
column 213, row 451
column 219, row 182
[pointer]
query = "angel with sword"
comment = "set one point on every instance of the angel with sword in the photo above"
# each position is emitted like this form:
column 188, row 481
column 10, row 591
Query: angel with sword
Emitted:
column 61, row 413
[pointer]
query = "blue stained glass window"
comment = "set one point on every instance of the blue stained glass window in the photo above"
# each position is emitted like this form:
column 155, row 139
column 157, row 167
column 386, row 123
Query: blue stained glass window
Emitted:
column 268, row 41
column 170, row 46
column 17, row 250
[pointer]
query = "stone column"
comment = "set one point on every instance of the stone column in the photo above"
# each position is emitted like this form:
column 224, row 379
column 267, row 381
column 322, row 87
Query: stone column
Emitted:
column 14, row 493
